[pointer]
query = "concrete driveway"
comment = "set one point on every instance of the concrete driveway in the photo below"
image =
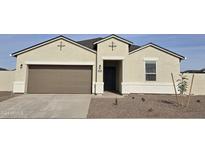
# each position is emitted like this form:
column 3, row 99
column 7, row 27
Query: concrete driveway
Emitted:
column 46, row 106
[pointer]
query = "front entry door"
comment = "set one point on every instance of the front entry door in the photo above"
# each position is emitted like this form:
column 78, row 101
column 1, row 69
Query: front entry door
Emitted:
column 110, row 78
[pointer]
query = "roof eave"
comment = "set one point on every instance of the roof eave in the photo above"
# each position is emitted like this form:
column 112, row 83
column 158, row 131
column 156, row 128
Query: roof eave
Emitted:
column 15, row 54
column 163, row 49
column 113, row 36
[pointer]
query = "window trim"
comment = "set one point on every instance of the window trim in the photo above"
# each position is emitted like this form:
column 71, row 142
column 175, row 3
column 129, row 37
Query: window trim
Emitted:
column 145, row 73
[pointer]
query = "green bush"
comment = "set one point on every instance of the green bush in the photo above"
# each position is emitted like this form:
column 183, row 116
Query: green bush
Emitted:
column 182, row 84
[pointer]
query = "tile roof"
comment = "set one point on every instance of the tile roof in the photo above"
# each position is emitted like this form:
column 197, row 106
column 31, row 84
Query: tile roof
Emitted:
column 133, row 47
column 90, row 44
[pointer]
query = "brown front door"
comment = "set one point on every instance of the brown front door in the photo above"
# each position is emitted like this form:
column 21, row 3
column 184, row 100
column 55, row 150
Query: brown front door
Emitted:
column 52, row 79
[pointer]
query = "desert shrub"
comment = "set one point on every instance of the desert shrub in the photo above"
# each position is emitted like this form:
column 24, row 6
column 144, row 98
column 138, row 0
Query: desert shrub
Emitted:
column 182, row 84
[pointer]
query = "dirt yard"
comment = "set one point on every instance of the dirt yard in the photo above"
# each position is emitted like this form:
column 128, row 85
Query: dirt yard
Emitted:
column 146, row 106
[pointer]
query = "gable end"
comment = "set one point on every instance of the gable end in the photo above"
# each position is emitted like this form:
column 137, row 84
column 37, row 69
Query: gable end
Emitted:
column 48, row 42
column 159, row 48
column 114, row 36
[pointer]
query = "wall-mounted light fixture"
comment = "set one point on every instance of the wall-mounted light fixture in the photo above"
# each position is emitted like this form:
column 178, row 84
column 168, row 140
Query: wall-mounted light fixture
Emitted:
column 21, row 66
column 100, row 68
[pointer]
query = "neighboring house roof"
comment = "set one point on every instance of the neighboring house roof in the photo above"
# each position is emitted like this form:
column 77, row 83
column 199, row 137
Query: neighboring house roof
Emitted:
column 3, row 69
column 90, row 45
column 159, row 48
column 113, row 36
column 195, row 71
column 50, row 41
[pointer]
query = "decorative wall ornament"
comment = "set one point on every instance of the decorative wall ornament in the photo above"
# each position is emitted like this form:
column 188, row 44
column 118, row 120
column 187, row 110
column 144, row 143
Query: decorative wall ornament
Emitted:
column 21, row 66
column 112, row 46
column 100, row 68
column 61, row 45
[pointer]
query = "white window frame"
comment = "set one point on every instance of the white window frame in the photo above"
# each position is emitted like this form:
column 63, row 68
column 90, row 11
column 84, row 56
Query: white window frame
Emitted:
column 150, row 61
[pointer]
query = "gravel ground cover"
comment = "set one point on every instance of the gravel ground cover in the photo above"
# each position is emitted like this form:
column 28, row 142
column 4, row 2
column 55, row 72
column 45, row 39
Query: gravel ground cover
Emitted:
column 146, row 106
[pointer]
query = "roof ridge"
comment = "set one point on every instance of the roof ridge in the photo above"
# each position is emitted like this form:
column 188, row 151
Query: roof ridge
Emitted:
column 116, row 36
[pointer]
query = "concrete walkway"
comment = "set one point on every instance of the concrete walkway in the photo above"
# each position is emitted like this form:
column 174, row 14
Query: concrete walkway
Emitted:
column 46, row 106
column 108, row 94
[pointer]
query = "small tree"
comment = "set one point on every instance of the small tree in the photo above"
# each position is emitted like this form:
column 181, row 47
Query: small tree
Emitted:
column 182, row 84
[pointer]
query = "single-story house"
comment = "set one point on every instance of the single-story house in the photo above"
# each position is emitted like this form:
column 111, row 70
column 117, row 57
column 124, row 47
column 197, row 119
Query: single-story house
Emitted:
column 61, row 65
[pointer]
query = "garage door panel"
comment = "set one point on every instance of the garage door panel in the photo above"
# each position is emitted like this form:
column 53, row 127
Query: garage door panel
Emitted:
column 59, row 79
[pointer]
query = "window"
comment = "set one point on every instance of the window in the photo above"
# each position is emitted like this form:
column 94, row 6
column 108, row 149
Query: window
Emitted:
column 150, row 70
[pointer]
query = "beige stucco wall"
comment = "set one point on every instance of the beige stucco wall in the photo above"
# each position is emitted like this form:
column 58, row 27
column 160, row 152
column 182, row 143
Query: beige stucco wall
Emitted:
column 134, row 66
column 51, row 54
column 6, row 80
column 198, row 87
column 104, row 52
column 132, row 70
column 134, row 80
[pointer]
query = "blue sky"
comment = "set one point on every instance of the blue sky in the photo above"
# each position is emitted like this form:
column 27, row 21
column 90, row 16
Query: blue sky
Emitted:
column 192, row 46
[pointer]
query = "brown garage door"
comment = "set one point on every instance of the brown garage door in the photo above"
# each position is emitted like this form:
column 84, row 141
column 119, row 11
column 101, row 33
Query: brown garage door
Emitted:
column 49, row 79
